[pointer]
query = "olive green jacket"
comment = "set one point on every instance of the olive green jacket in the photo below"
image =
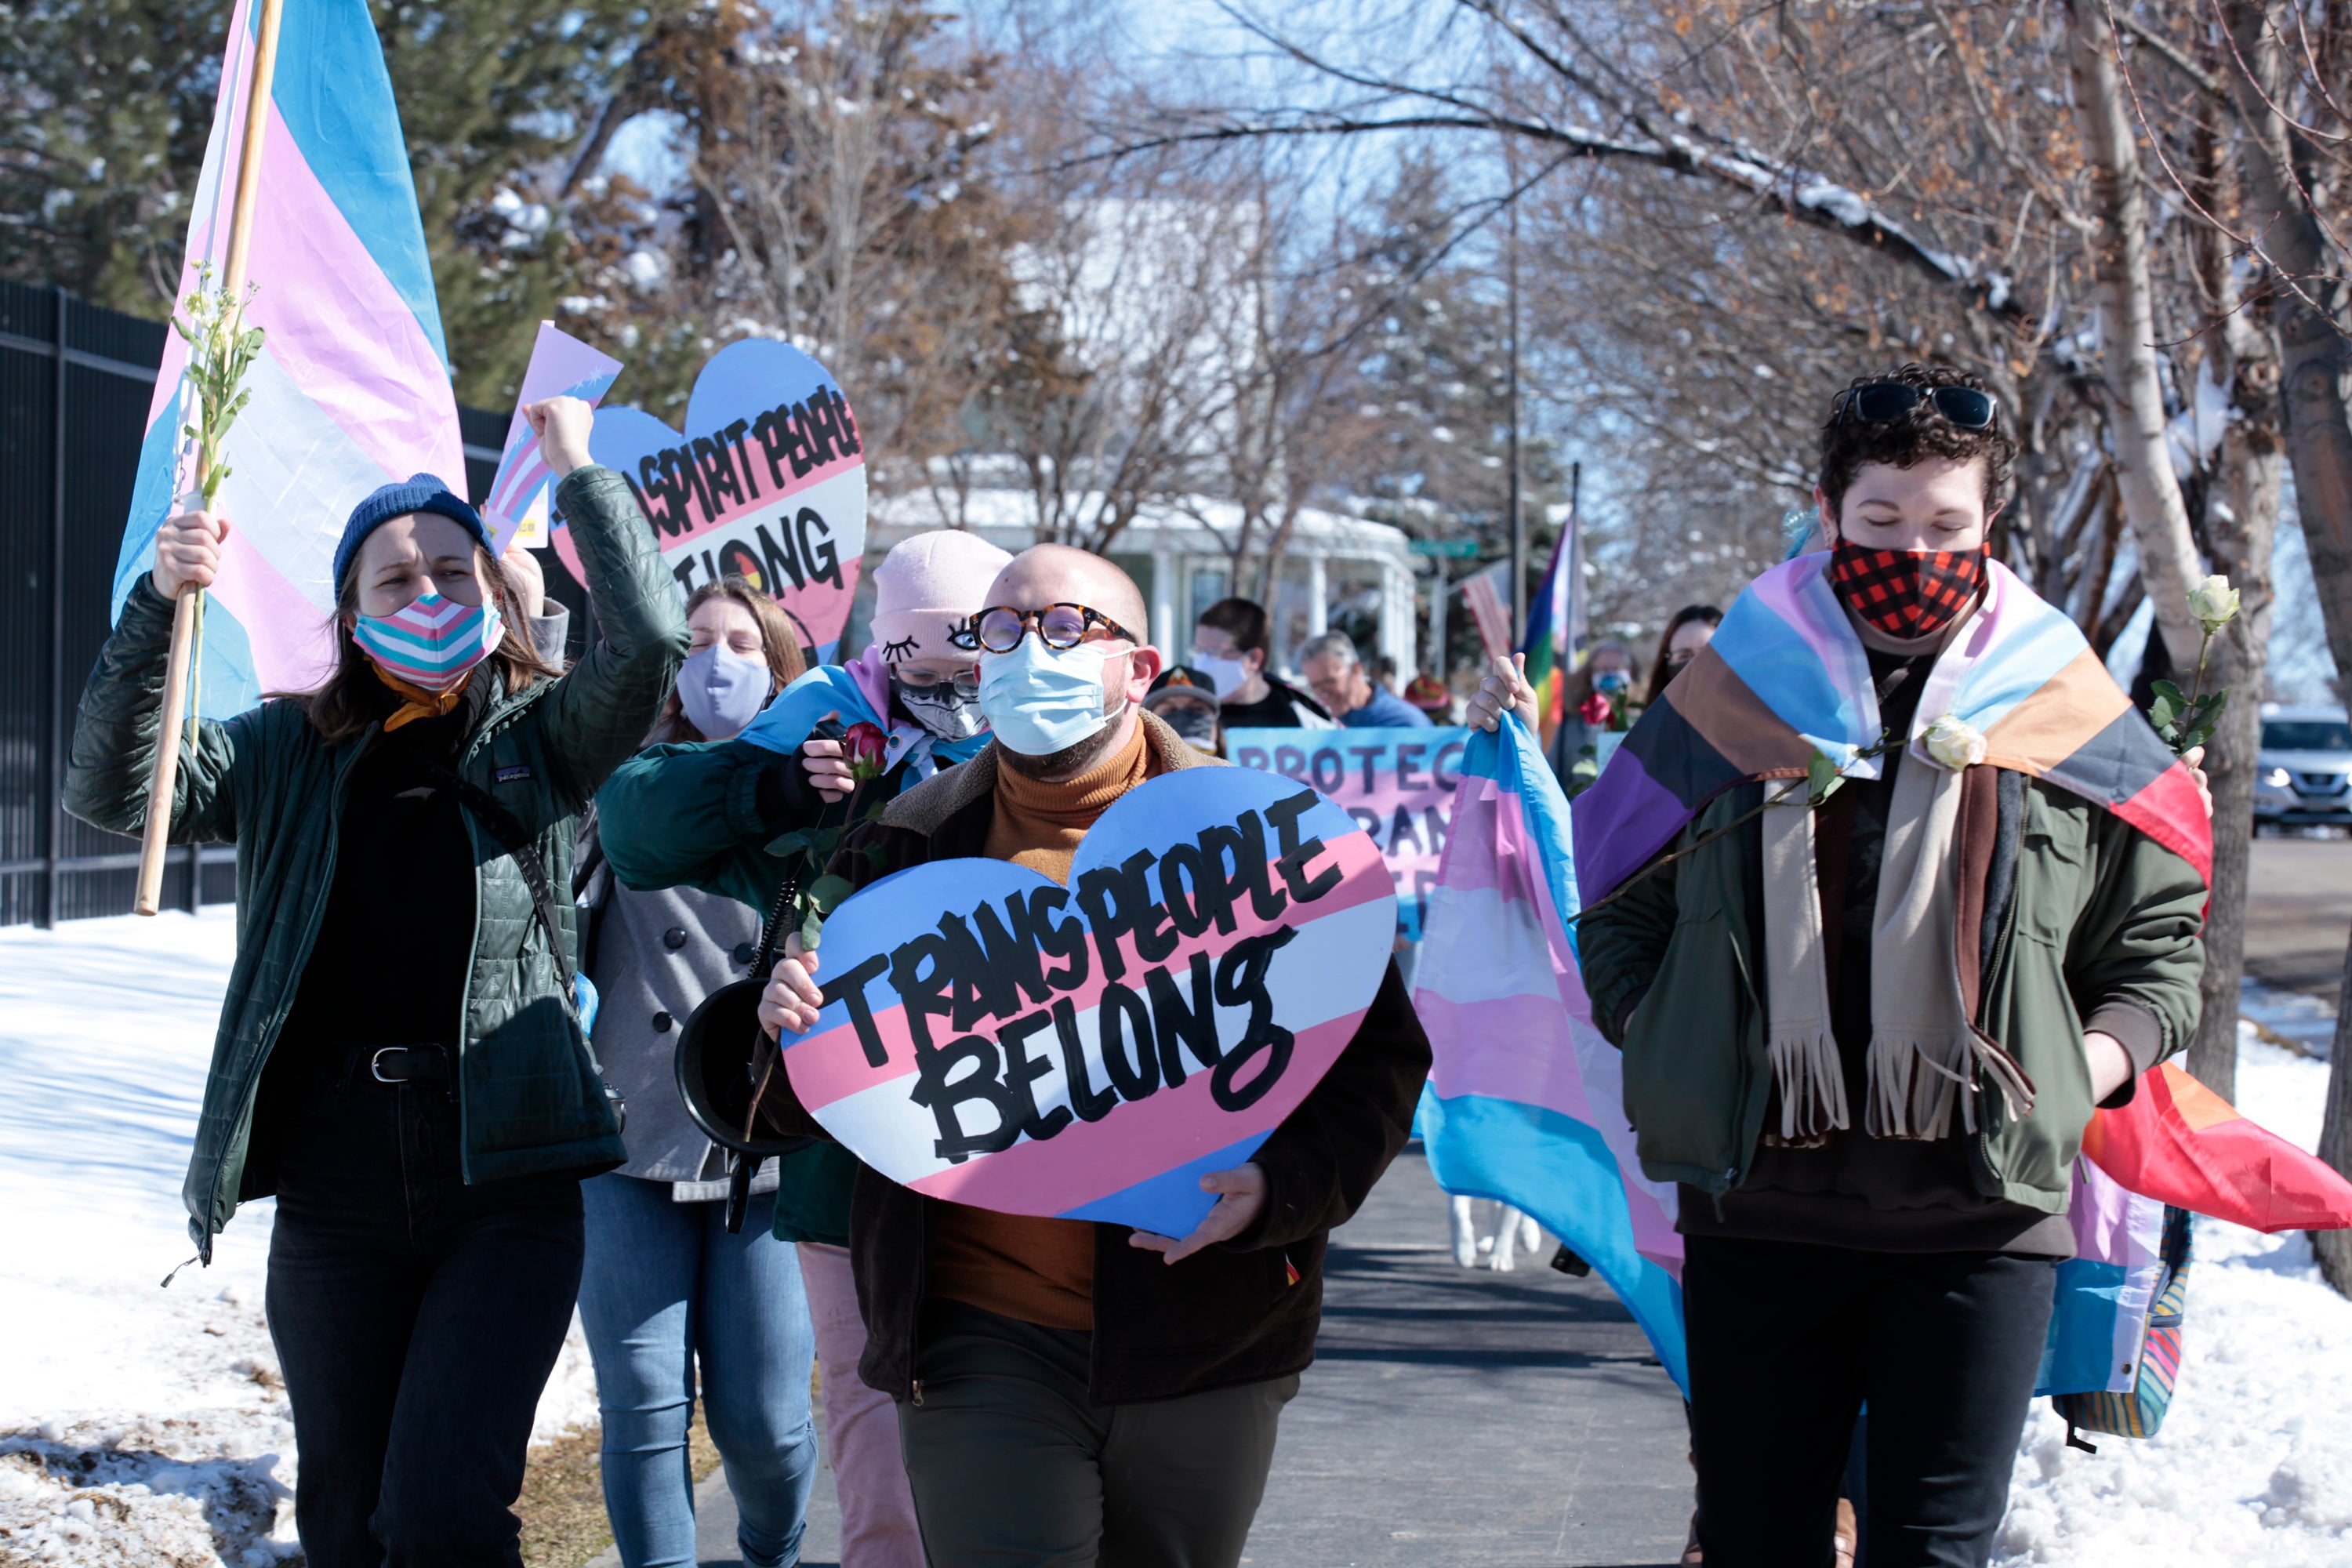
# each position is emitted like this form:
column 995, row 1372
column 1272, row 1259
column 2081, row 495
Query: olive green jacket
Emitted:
column 529, row 1096
column 2098, row 914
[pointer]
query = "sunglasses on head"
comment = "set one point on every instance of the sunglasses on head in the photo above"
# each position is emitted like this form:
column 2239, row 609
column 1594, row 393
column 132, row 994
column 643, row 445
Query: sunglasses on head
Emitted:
column 1885, row 401
column 1000, row 628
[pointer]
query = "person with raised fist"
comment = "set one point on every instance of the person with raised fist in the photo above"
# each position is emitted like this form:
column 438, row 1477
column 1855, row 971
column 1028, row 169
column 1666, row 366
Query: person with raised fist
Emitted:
column 401, row 1061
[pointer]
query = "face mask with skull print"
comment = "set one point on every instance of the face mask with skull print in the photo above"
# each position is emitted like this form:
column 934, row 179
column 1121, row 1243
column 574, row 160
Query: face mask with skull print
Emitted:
column 942, row 707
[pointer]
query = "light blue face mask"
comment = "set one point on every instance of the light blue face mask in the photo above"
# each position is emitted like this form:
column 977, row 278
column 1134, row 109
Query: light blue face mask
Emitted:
column 721, row 690
column 1040, row 700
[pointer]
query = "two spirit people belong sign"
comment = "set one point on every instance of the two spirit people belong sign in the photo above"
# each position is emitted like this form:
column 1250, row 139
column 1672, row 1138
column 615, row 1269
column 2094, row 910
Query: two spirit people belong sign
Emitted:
column 1091, row 1051
column 766, row 481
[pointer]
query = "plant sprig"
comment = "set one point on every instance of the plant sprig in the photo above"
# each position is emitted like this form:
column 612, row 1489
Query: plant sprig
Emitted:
column 221, row 349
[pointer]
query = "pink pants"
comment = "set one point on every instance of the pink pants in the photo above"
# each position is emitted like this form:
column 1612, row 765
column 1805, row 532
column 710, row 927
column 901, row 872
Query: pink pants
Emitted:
column 861, row 1426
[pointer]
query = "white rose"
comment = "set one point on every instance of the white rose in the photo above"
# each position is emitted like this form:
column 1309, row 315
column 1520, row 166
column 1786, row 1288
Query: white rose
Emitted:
column 1954, row 743
column 2215, row 603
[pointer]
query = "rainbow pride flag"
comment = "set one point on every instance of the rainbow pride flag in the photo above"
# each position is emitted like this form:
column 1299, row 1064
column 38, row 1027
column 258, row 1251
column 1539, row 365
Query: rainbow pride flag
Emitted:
column 1552, row 629
column 2177, row 1143
column 1786, row 677
column 2105, row 1291
column 1525, row 1102
column 2180, row 1143
column 351, row 387
column 1524, row 1099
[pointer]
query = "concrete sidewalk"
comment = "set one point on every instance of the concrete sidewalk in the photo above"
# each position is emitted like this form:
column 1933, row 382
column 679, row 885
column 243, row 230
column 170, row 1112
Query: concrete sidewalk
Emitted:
column 1453, row 1416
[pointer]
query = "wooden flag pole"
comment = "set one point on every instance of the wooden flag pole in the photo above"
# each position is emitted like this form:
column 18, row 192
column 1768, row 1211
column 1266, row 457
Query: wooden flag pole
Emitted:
column 186, row 610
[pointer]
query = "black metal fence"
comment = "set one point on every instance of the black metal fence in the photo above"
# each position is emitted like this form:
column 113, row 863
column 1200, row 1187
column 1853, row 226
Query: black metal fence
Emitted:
column 75, row 384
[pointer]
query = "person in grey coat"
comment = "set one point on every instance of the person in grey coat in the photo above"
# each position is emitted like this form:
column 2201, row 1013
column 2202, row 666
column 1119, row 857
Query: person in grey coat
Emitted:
column 665, row 1286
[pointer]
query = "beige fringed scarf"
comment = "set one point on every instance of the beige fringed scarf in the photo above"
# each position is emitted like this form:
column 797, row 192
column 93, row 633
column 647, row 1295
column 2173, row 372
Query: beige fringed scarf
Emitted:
column 1924, row 1051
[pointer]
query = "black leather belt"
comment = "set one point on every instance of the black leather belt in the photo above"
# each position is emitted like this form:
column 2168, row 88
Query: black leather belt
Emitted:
column 409, row 1064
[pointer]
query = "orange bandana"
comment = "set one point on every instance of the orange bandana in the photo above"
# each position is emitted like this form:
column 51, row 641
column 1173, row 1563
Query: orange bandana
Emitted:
column 417, row 702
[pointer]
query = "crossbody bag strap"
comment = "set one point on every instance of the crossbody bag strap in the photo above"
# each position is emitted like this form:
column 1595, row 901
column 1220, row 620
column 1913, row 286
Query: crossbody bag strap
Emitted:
column 515, row 840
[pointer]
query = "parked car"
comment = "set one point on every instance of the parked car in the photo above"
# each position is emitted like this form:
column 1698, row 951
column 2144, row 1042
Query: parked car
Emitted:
column 2303, row 776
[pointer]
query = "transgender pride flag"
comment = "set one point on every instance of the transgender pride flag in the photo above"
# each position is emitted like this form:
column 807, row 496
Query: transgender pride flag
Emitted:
column 1525, row 1099
column 351, row 387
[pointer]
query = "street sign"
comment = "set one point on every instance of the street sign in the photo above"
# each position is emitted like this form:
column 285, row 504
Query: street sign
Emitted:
column 1454, row 548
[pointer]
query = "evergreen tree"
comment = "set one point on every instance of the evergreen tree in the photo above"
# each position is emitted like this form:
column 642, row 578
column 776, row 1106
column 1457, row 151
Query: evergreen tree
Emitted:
column 105, row 106
column 1437, row 377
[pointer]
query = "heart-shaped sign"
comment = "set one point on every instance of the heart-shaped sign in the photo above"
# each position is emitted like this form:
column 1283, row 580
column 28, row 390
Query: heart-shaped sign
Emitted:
column 768, row 482
column 1091, row 1051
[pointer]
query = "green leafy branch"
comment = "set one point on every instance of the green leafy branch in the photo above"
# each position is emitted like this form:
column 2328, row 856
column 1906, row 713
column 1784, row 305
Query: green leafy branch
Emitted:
column 221, row 349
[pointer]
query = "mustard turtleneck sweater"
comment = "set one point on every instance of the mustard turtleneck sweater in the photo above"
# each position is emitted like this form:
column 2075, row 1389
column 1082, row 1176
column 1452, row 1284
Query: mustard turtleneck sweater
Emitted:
column 1020, row 1265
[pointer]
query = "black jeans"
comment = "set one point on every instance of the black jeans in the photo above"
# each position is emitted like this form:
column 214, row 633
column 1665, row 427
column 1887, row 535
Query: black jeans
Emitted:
column 416, row 1319
column 1012, row 1465
column 1788, row 1341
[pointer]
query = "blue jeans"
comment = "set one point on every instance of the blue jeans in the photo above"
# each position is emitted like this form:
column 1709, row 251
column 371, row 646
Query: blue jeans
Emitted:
column 665, row 1285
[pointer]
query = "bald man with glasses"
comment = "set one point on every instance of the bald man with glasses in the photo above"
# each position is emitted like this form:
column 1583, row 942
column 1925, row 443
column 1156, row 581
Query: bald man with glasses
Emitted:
column 1073, row 1392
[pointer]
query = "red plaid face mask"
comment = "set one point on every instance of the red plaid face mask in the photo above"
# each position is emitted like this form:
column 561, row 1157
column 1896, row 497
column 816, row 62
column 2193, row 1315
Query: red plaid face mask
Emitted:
column 1906, row 594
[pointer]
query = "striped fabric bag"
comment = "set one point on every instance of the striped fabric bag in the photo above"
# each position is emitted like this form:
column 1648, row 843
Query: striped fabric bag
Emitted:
column 2138, row 1411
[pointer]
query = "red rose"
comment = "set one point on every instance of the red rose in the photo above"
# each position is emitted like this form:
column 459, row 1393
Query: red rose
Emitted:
column 865, row 748
column 1596, row 711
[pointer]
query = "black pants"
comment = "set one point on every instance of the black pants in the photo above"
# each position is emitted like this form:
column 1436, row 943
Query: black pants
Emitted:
column 1788, row 1341
column 416, row 1319
column 1013, row 1466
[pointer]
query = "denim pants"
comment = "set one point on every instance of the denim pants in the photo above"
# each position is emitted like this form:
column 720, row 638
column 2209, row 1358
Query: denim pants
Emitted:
column 665, row 1286
column 416, row 1319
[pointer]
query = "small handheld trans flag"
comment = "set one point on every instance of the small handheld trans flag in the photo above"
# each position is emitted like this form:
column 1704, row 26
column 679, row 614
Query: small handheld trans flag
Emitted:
column 561, row 366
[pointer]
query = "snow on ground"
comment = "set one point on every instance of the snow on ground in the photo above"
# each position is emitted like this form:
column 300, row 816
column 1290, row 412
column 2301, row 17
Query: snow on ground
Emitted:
column 2253, row 1464
column 141, row 1425
column 137, row 1424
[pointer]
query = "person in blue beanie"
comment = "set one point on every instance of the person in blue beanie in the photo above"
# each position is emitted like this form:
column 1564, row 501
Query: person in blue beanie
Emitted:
column 401, row 1060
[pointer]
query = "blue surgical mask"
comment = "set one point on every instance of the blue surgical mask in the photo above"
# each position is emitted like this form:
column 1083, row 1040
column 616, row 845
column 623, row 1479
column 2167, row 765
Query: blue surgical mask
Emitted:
column 721, row 690
column 1040, row 700
column 1612, row 682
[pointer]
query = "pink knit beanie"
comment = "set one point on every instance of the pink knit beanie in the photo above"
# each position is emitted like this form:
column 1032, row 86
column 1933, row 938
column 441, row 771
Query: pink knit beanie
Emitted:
column 926, row 588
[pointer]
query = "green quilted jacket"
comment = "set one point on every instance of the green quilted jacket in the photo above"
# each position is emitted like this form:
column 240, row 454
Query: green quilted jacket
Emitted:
column 529, row 1095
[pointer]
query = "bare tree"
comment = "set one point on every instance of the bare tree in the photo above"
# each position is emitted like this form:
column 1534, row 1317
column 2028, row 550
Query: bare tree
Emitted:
column 1778, row 195
column 2305, row 253
column 843, row 192
column 2138, row 432
column 1136, row 287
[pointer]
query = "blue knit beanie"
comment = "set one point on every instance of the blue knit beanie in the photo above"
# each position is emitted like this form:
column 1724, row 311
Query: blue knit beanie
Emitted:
column 418, row 492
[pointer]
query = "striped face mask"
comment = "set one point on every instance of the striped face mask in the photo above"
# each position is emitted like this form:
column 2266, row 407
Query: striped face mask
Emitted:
column 430, row 642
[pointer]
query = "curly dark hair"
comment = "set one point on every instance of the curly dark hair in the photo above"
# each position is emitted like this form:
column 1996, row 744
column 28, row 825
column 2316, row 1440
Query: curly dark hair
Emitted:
column 1847, row 443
